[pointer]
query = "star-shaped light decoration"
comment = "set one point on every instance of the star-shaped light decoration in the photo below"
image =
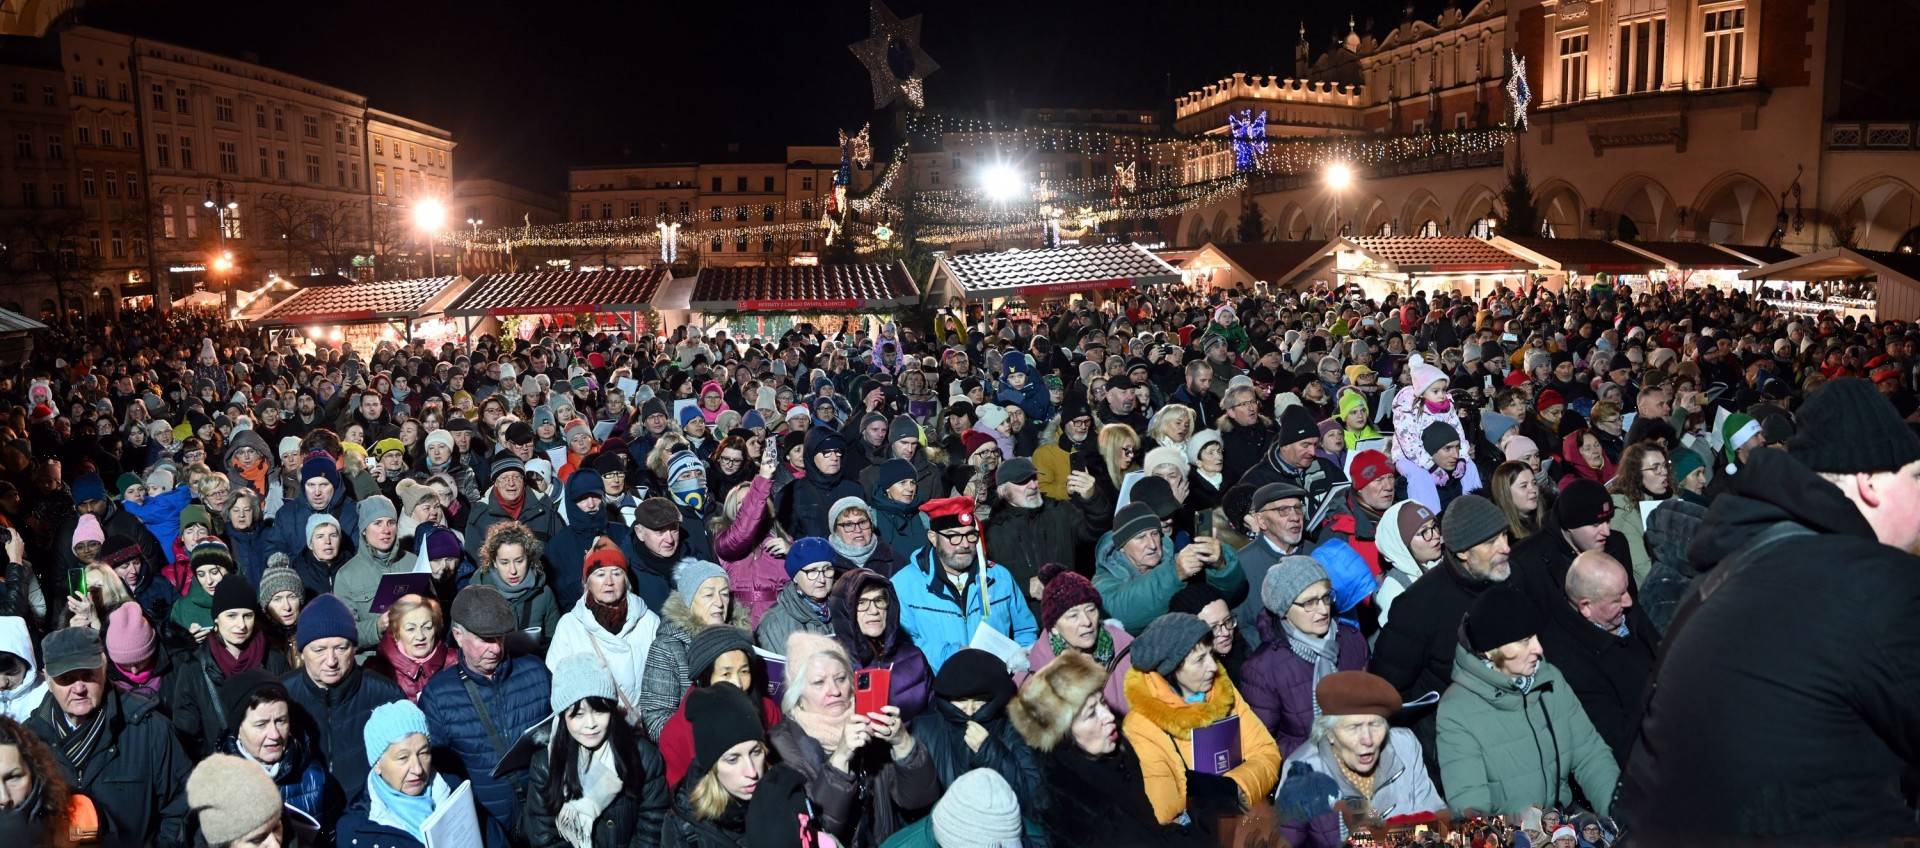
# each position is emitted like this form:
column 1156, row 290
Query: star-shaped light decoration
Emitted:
column 1249, row 133
column 894, row 59
column 1519, row 94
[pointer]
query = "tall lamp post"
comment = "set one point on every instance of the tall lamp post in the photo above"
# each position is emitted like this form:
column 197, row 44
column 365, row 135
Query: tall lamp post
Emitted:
column 428, row 216
column 226, row 211
column 1338, row 177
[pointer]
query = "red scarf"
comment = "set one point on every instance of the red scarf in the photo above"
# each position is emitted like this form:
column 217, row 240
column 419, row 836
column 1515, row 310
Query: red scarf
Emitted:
column 412, row 674
column 252, row 654
column 512, row 507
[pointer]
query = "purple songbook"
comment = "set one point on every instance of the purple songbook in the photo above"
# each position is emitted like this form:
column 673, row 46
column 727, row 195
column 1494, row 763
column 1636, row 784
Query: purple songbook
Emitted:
column 1216, row 747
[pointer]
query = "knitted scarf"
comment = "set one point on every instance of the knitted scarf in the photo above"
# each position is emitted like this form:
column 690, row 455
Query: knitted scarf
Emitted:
column 856, row 555
column 77, row 742
column 611, row 617
column 599, row 785
column 1102, row 647
column 255, row 475
column 1322, row 652
column 823, row 728
column 252, row 654
column 410, row 811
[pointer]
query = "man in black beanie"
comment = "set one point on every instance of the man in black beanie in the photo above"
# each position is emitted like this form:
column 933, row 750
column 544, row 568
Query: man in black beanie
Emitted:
column 1805, row 617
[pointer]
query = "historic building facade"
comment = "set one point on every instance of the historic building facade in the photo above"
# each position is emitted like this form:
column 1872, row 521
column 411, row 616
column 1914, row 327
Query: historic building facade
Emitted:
column 1733, row 121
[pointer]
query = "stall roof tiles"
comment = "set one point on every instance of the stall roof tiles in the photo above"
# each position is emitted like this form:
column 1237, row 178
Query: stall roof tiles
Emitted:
column 1274, row 262
column 14, row 322
column 1058, row 270
column 545, row 292
column 1688, row 255
column 363, row 302
column 838, row 286
column 1421, row 254
column 1588, row 255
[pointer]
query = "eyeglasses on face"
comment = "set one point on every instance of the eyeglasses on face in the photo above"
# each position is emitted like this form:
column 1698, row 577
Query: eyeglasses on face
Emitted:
column 961, row 538
column 818, row 572
column 871, row 605
column 1325, row 600
column 1225, row 627
column 855, row 524
column 1285, row 509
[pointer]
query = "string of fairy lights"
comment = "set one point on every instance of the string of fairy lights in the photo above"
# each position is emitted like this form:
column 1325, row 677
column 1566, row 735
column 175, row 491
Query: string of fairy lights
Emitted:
column 1181, row 173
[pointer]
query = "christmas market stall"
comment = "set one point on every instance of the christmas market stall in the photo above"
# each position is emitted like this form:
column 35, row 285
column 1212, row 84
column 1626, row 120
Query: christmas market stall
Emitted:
column 16, row 336
column 1876, row 284
column 1383, row 265
column 767, row 301
column 366, row 314
column 1581, row 263
column 516, row 304
column 1054, row 273
column 1692, row 264
column 1274, row 265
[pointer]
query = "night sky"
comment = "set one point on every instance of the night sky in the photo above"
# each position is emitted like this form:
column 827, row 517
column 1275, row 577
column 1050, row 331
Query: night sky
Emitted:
column 528, row 89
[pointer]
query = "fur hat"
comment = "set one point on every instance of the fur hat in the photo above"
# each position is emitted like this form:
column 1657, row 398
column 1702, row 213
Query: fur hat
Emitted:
column 1048, row 701
column 229, row 797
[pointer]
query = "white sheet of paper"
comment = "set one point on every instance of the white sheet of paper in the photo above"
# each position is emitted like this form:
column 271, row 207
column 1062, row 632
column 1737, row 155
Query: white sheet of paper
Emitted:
column 602, row 430
column 1382, row 445
column 628, row 386
column 453, row 823
column 557, row 456
column 1000, row 645
column 1646, row 511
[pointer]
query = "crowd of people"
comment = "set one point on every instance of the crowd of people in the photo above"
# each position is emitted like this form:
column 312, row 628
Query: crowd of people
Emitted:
column 1183, row 567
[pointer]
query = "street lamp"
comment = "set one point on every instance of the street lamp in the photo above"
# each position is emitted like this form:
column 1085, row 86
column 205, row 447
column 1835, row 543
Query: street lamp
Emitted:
column 428, row 216
column 474, row 223
column 1001, row 182
column 1338, row 177
column 226, row 211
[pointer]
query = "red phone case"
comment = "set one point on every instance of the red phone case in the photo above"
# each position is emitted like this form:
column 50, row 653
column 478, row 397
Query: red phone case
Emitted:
column 875, row 687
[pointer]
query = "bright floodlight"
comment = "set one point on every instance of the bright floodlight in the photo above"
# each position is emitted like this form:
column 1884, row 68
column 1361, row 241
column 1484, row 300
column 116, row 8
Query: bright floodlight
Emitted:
column 1339, row 176
column 428, row 215
column 1001, row 183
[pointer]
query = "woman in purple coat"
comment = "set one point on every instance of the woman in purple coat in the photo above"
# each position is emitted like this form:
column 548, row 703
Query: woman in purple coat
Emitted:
column 1300, row 644
column 866, row 621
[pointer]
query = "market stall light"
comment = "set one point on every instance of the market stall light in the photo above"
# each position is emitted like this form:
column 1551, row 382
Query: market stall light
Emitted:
column 428, row 215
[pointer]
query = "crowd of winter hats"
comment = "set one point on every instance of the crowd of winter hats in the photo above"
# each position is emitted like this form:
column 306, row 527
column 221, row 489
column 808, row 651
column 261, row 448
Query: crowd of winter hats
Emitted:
column 981, row 387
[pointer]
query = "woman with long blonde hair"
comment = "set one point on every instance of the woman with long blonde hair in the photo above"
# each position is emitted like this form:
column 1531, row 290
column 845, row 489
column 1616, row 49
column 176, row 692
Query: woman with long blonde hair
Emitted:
column 1120, row 453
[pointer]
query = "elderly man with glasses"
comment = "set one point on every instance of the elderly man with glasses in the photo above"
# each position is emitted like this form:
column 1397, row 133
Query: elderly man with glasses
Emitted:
column 1276, row 529
column 943, row 602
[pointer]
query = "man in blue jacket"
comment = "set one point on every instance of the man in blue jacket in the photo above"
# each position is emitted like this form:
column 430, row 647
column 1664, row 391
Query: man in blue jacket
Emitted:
column 480, row 706
column 940, row 595
column 320, row 491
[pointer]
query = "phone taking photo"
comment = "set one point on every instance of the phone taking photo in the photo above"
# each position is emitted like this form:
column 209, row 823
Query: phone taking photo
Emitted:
column 872, row 687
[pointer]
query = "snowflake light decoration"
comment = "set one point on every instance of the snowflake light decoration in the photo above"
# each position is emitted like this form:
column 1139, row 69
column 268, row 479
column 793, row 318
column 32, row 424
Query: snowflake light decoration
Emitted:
column 1249, row 133
column 1519, row 94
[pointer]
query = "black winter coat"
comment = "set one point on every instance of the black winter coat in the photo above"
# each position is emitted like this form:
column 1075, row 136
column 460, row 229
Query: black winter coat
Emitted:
column 193, row 695
column 137, row 776
column 334, row 717
column 1414, row 652
column 1056, row 531
column 1784, row 704
column 1608, row 673
column 943, row 729
column 634, row 818
column 1670, row 531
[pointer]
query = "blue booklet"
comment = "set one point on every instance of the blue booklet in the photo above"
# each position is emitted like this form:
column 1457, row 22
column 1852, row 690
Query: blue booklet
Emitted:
column 1216, row 747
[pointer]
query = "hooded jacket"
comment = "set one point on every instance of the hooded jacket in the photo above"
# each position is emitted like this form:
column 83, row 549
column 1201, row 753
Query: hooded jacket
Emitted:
column 19, row 702
column 1813, row 637
column 1135, row 598
column 910, row 686
column 808, row 499
column 571, row 541
column 624, row 653
column 1312, row 781
column 667, row 676
column 1160, row 725
column 1398, row 568
column 248, row 438
column 1032, row 397
column 943, row 730
column 1502, row 750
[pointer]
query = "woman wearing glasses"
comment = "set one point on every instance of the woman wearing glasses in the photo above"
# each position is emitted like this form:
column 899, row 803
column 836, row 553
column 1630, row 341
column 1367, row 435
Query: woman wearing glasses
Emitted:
column 1409, row 542
column 1300, row 644
column 801, row 605
column 1644, row 475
